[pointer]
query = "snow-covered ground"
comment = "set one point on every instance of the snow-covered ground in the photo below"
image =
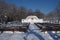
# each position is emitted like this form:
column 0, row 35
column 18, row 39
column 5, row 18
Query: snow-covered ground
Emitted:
column 32, row 34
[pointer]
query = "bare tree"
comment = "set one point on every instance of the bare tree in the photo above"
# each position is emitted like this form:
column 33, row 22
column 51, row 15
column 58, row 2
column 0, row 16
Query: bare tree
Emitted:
column 56, row 13
column 38, row 13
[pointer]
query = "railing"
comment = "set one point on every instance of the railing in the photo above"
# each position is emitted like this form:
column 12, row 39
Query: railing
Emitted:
column 48, row 26
column 22, row 28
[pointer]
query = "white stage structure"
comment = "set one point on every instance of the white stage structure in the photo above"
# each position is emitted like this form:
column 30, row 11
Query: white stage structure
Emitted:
column 32, row 19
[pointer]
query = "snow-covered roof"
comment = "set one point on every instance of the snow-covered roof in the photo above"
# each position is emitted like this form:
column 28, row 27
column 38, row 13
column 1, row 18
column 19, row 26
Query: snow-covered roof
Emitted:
column 29, row 17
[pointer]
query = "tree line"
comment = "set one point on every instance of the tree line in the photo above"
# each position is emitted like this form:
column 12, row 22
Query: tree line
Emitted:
column 10, row 12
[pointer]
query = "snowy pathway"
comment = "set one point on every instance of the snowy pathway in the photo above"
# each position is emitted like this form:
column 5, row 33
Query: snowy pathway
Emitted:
column 35, row 34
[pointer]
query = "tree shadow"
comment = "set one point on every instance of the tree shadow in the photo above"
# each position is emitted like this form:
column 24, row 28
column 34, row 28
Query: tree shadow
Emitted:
column 54, row 35
column 36, row 34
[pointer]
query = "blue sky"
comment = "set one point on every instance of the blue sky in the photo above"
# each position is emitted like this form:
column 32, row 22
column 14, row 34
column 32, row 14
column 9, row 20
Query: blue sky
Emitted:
column 45, row 6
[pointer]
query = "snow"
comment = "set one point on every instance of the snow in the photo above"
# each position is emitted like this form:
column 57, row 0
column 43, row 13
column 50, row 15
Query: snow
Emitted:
column 33, row 33
column 41, row 34
column 10, row 24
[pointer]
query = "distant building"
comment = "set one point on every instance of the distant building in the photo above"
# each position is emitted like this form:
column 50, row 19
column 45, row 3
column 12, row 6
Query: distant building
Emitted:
column 32, row 19
column 35, row 19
